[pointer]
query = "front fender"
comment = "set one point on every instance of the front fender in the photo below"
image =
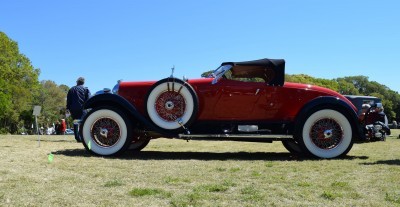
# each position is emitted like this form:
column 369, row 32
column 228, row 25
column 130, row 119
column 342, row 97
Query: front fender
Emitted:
column 333, row 103
column 109, row 99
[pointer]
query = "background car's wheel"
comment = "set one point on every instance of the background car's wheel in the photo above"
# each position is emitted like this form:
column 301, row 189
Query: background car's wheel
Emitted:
column 171, row 100
column 292, row 146
column 106, row 131
column 326, row 133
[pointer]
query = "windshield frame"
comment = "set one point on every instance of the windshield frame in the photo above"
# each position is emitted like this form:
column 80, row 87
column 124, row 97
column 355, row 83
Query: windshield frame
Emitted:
column 219, row 72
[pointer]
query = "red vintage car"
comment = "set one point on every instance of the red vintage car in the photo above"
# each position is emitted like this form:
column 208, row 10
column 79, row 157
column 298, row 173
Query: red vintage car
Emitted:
column 240, row 101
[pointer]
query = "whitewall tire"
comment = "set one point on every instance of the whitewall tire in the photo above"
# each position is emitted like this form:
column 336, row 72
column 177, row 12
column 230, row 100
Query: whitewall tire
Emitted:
column 326, row 133
column 106, row 131
column 171, row 101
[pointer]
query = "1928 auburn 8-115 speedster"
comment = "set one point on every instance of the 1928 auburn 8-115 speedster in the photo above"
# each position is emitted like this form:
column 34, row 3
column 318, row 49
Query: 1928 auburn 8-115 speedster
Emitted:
column 240, row 101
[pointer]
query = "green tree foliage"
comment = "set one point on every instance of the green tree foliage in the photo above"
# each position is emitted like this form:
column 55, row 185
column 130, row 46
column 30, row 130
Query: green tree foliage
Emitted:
column 18, row 84
column 52, row 98
column 347, row 88
column 206, row 74
column 313, row 81
column 359, row 82
column 64, row 88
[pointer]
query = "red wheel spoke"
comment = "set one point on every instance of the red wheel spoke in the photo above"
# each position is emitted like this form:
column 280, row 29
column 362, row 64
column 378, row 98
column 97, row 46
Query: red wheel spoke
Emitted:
column 326, row 133
column 106, row 132
column 170, row 105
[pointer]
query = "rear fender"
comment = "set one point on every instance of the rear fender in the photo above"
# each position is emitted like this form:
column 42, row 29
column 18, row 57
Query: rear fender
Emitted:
column 332, row 103
column 110, row 99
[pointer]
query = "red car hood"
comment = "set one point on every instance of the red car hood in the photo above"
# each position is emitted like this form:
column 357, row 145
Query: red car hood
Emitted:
column 319, row 89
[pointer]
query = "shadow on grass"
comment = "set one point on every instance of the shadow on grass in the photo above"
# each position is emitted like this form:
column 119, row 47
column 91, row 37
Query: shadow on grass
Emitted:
column 383, row 162
column 164, row 155
column 58, row 140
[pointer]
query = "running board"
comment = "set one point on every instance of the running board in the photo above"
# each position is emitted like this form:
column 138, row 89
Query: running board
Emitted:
column 237, row 137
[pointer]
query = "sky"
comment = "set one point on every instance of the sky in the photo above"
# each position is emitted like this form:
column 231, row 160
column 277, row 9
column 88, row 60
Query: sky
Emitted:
column 136, row 40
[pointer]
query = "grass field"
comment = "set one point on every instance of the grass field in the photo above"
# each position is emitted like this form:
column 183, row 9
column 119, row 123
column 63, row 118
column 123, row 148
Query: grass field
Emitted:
column 197, row 173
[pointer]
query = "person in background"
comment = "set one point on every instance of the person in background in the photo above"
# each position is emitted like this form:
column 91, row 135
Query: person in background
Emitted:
column 76, row 97
column 63, row 127
column 57, row 128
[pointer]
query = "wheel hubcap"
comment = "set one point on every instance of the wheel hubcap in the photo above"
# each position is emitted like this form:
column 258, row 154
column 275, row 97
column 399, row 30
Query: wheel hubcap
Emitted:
column 170, row 105
column 326, row 133
column 103, row 132
column 106, row 132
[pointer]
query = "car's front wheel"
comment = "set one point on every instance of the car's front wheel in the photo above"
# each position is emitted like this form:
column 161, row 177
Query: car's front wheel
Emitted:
column 326, row 133
column 106, row 131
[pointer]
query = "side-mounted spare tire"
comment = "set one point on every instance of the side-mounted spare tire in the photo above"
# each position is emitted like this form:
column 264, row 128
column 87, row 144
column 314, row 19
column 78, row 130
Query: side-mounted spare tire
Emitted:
column 106, row 131
column 170, row 103
column 325, row 133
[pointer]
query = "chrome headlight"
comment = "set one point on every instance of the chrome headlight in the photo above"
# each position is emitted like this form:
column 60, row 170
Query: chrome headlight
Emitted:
column 116, row 88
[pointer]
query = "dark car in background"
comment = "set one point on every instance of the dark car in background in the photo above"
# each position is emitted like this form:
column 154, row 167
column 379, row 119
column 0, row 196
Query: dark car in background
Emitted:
column 358, row 102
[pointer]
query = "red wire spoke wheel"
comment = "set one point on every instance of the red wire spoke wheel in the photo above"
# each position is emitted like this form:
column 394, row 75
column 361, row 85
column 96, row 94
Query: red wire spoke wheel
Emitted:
column 106, row 131
column 326, row 133
column 170, row 103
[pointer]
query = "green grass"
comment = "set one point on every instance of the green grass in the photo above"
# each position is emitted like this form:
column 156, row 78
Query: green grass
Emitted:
column 138, row 192
column 198, row 173
column 113, row 183
column 393, row 198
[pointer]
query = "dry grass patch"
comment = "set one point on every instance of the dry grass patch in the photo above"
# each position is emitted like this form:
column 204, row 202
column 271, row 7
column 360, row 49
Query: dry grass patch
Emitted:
column 198, row 173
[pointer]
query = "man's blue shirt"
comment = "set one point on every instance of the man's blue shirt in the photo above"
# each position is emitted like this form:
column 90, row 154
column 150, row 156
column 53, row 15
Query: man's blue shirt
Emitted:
column 76, row 97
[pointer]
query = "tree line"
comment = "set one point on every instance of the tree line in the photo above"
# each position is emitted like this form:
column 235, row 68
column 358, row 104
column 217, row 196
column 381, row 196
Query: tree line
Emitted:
column 20, row 90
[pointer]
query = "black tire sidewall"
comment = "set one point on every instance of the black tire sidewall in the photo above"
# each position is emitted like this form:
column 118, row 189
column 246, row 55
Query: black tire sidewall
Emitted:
column 138, row 145
column 292, row 146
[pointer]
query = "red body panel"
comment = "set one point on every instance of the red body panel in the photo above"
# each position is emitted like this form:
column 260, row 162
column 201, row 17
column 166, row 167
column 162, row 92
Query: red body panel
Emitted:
column 239, row 101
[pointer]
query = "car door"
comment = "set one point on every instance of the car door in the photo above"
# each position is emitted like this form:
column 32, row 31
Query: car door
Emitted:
column 239, row 100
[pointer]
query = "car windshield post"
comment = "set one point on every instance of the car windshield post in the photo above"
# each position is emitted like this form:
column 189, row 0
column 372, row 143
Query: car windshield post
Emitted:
column 219, row 72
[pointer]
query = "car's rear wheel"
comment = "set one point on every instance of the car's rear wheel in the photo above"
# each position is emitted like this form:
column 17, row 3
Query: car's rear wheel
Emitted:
column 138, row 144
column 326, row 133
column 172, row 103
column 292, row 146
column 106, row 131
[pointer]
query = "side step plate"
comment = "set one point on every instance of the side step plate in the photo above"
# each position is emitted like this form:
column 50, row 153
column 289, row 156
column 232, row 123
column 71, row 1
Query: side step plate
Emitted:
column 237, row 137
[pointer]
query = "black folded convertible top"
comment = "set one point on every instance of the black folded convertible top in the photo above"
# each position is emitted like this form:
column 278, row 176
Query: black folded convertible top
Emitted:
column 262, row 62
column 277, row 65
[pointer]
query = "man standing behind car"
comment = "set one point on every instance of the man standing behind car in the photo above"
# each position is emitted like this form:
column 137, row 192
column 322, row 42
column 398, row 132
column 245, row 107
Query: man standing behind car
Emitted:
column 76, row 97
